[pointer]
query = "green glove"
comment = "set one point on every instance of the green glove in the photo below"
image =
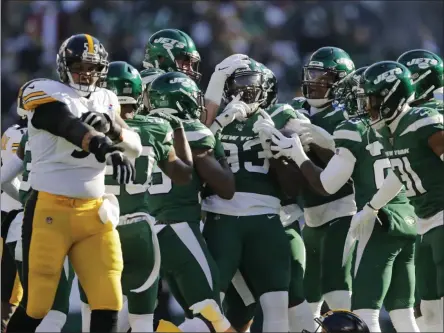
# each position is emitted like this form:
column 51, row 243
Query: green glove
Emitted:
column 174, row 121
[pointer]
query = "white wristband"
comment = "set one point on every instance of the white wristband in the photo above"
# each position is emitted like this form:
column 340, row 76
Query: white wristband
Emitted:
column 299, row 158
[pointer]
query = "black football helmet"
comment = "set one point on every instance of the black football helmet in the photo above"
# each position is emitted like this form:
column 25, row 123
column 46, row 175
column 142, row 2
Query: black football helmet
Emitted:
column 250, row 83
column 338, row 321
column 82, row 63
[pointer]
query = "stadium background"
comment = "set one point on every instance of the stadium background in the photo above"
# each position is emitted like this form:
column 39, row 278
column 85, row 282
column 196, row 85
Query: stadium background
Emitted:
column 280, row 34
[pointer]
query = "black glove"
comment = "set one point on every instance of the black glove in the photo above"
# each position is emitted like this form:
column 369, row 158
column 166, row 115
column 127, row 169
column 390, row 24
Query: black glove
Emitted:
column 123, row 169
column 101, row 146
column 102, row 123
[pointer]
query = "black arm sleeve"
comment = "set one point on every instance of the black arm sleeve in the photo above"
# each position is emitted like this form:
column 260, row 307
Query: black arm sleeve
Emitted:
column 56, row 119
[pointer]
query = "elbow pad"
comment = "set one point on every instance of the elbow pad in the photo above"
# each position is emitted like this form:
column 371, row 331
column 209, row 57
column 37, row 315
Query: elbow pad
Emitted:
column 11, row 169
column 131, row 143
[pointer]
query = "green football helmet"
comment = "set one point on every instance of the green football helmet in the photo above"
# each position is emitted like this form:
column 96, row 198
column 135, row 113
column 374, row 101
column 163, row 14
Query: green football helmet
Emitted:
column 427, row 72
column 125, row 81
column 345, row 92
column 325, row 67
column 175, row 93
column 173, row 50
column 384, row 89
column 271, row 86
column 250, row 83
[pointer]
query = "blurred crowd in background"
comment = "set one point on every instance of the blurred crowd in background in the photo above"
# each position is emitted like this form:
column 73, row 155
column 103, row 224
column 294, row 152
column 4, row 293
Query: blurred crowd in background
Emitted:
column 279, row 33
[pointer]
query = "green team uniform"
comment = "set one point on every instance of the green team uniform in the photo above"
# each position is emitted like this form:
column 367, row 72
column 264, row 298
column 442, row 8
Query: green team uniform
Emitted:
column 327, row 220
column 61, row 300
column 433, row 104
column 422, row 173
column 141, row 256
column 385, row 267
column 239, row 303
column 186, row 265
column 251, row 218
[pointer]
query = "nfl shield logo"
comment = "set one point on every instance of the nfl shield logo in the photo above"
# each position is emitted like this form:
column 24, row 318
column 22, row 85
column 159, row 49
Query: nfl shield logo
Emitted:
column 239, row 127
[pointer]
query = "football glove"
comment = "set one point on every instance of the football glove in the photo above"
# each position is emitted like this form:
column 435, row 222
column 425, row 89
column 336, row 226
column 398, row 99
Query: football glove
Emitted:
column 123, row 169
column 102, row 122
column 222, row 72
column 264, row 127
column 236, row 109
column 310, row 133
column 288, row 147
column 174, row 121
column 100, row 146
column 362, row 221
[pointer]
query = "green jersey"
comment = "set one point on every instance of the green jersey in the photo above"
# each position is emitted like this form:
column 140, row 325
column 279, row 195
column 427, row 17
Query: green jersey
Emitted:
column 156, row 138
column 171, row 202
column 327, row 119
column 255, row 189
column 416, row 165
column 25, row 187
column 369, row 172
column 433, row 104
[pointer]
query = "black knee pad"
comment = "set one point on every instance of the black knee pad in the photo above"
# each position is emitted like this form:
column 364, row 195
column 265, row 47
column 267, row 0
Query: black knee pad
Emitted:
column 103, row 321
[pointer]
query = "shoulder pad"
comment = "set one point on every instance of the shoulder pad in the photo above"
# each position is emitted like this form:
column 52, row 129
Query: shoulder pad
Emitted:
column 349, row 130
column 41, row 91
column 195, row 131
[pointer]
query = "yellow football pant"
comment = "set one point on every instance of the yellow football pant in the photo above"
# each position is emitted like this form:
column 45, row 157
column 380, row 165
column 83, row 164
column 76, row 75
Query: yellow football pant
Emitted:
column 55, row 226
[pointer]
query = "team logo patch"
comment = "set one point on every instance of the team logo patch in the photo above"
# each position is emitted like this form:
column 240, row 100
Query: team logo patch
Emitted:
column 240, row 127
column 49, row 220
column 110, row 107
column 410, row 220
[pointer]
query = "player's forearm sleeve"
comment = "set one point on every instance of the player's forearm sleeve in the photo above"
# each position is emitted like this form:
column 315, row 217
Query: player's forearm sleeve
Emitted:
column 11, row 169
column 389, row 189
column 56, row 119
column 11, row 189
column 338, row 171
column 131, row 143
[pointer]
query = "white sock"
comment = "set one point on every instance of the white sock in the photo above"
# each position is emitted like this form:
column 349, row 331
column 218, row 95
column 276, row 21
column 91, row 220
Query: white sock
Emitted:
column 194, row 325
column 404, row 320
column 141, row 322
column 421, row 324
column 275, row 309
column 300, row 318
column 53, row 322
column 432, row 313
column 338, row 299
column 123, row 323
column 316, row 308
column 370, row 317
column 86, row 316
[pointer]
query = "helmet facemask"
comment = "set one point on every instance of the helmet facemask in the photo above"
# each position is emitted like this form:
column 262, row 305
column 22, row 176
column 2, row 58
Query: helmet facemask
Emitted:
column 317, row 84
column 248, row 84
column 185, row 63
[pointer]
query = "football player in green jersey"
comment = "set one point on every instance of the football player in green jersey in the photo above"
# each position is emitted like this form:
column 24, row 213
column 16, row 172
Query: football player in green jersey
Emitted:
column 327, row 219
column 251, row 218
column 139, row 243
column 413, row 139
column 57, row 316
column 428, row 77
column 239, row 301
column 427, row 74
column 187, row 265
column 384, row 269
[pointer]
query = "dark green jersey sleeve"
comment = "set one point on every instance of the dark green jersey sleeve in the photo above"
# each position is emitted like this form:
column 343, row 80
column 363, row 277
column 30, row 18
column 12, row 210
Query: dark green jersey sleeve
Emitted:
column 155, row 133
column 348, row 134
column 424, row 122
column 198, row 135
column 281, row 114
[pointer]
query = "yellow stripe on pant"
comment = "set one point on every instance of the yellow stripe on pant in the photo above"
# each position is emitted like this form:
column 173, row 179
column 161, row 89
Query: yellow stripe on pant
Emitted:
column 17, row 292
column 55, row 226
